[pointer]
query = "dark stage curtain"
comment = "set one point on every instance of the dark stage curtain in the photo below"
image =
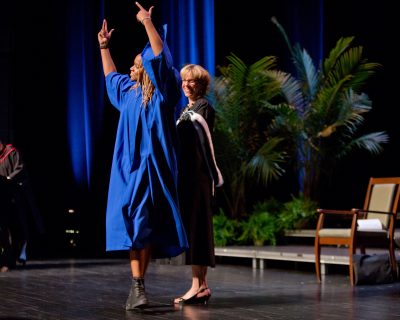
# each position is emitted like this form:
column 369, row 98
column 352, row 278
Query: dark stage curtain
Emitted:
column 191, row 35
column 85, row 89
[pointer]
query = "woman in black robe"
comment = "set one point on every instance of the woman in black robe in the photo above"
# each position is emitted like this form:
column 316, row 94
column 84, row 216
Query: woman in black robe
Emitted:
column 19, row 214
column 198, row 176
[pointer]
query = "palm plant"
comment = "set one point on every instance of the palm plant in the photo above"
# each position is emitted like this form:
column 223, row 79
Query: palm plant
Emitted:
column 325, row 108
column 244, row 148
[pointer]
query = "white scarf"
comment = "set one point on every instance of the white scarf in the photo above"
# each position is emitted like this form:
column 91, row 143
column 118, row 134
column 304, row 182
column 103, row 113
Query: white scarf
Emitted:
column 194, row 116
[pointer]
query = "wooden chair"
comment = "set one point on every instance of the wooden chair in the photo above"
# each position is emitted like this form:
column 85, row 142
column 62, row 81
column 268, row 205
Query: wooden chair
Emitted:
column 381, row 203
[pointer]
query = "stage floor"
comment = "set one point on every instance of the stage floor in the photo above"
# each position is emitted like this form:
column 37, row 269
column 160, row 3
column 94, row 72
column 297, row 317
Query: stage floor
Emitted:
column 95, row 289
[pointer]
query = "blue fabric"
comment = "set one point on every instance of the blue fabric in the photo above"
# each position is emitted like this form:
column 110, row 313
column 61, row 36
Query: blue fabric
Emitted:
column 142, row 200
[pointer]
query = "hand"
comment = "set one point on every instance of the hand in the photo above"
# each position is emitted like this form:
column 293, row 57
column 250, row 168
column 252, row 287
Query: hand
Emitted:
column 143, row 14
column 104, row 36
column 6, row 180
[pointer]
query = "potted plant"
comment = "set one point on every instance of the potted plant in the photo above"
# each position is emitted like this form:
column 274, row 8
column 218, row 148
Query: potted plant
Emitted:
column 225, row 229
column 261, row 227
column 297, row 213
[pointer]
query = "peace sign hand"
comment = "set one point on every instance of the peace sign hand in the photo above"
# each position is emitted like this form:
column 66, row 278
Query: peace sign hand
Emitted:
column 104, row 35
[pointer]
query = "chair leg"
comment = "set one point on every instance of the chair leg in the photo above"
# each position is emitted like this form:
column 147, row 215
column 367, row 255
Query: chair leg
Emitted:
column 393, row 261
column 351, row 270
column 317, row 253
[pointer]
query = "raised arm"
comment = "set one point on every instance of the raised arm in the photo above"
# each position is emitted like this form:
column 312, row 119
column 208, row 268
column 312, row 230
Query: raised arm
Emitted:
column 144, row 17
column 104, row 37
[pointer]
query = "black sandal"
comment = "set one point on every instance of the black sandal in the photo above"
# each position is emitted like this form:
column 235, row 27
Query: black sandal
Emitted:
column 195, row 299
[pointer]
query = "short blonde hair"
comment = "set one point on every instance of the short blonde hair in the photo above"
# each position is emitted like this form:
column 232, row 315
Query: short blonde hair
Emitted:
column 199, row 74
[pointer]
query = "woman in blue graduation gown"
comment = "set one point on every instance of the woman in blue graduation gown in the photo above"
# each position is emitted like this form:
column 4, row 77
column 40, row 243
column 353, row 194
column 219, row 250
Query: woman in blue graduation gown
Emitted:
column 142, row 211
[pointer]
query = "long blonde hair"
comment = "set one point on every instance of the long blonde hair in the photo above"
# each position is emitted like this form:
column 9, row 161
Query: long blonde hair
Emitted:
column 146, row 84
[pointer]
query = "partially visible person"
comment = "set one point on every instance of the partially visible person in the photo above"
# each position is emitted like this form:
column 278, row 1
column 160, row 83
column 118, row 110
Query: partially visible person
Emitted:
column 143, row 209
column 19, row 204
column 7, row 260
column 198, row 177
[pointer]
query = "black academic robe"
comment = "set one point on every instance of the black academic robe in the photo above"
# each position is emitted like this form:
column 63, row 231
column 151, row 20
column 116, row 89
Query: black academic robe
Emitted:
column 198, row 175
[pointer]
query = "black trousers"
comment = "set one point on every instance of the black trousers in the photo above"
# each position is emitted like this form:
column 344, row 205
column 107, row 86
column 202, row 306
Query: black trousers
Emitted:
column 7, row 256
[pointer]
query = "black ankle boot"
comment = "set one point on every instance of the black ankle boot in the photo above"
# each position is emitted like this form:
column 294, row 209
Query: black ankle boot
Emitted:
column 137, row 296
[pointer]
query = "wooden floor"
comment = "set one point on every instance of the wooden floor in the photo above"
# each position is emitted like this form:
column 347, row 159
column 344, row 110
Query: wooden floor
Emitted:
column 88, row 289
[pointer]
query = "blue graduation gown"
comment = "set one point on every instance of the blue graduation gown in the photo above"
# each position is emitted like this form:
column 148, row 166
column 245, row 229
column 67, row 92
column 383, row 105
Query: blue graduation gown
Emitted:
column 142, row 203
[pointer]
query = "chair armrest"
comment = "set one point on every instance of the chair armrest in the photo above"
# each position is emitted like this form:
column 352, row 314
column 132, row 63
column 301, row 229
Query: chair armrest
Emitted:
column 342, row 212
column 353, row 213
column 375, row 211
column 387, row 226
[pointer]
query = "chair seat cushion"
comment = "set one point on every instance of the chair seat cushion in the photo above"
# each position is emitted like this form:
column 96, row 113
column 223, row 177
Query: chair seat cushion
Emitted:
column 335, row 232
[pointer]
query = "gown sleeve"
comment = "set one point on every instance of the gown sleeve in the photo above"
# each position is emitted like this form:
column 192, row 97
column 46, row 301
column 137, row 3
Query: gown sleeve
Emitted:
column 117, row 86
column 161, row 70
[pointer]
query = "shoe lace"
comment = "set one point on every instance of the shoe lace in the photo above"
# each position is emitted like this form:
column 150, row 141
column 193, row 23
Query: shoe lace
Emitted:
column 139, row 287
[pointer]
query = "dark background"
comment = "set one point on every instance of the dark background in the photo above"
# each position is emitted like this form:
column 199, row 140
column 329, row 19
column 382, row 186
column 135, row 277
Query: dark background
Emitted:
column 33, row 95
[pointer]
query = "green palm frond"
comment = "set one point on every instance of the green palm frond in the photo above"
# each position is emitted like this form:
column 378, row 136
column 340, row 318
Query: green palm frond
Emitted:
column 265, row 165
column 341, row 46
column 309, row 76
column 236, row 74
column 265, row 63
column 244, row 85
column 371, row 142
column 290, row 87
column 354, row 106
column 326, row 104
column 283, row 32
column 247, row 80
column 286, row 120
column 347, row 111
column 306, row 71
column 352, row 67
